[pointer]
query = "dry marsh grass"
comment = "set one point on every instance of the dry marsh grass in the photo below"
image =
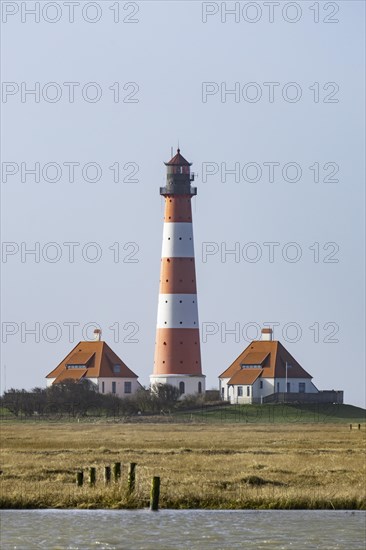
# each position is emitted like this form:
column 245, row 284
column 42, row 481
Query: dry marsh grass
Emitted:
column 201, row 466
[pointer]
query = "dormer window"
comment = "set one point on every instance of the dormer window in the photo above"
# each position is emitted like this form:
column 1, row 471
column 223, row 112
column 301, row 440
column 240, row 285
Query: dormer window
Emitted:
column 74, row 366
column 116, row 369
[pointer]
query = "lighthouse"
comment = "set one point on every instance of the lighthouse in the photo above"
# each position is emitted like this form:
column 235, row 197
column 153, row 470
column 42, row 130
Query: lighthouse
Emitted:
column 177, row 348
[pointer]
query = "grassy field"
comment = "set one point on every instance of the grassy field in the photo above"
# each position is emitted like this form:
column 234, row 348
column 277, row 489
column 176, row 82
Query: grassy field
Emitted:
column 278, row 414
column 213, row 413
column 202, row 465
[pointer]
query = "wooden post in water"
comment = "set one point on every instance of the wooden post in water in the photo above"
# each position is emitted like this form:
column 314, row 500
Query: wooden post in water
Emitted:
column 79, row 479
column 116, row 471
column 155, row 494
column 131, row 477
column 359, row 426
column 350, row 426
column 107, row 474
column 92, row 475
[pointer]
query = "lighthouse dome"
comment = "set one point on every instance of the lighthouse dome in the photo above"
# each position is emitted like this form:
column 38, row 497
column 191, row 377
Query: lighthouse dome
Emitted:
column 178, row 160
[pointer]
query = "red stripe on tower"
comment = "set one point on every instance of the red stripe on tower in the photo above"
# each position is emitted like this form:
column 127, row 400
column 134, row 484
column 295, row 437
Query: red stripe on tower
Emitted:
column 177, row 347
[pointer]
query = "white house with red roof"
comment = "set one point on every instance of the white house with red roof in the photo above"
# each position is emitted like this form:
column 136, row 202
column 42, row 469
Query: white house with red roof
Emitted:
column 97, row 362
column 263, row 369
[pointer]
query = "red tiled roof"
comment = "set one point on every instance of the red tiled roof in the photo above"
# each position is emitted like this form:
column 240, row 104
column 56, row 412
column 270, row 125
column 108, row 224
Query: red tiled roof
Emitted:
column 178, row 159
column 245, row 376
column 73, row 374
column 80, row 358
column 274, row 362
column 98, row 357
column 255, row 358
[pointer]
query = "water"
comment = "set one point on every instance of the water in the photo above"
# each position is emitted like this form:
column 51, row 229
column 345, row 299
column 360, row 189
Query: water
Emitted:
column 176, row 529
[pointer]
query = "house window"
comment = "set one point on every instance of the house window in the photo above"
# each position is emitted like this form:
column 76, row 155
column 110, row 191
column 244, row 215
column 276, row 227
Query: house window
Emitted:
column 102, row 387
column 301, row 387
column 223, row 392
column 288, row 387
column 181, row 388
column 278, row 387
column 73, row 366
column 113, row 387
column 199, row 387
column 128, row 387
column 116, row 369
column 248, row 391
column 240, row 391
column 261, row 384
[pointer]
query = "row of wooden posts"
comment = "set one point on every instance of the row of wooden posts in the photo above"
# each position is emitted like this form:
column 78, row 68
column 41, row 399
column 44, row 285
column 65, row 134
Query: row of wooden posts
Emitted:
column 358, row 426
column 131, row 480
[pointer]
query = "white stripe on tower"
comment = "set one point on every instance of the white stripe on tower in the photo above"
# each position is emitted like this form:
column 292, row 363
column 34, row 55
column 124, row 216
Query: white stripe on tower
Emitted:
column 177, row 311
column 178, row 240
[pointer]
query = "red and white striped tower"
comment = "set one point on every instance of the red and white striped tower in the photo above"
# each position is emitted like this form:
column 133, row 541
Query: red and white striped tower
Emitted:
column 177, row 347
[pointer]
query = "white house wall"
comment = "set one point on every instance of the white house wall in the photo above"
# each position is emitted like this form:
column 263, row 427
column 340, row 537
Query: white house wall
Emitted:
column 294, row 385
column 230, row 393
column 223, row 388
column 120, row 385
column 268, row 388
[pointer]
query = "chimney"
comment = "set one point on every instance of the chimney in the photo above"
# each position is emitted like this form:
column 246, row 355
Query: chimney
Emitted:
column 267, row 334
column 97, row 334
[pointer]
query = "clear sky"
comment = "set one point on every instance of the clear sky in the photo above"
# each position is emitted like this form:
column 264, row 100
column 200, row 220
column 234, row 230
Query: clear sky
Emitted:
column 120, row 92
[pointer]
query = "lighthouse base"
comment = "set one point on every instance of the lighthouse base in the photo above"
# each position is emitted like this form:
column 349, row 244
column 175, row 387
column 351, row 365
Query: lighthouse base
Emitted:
column 187, row 384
